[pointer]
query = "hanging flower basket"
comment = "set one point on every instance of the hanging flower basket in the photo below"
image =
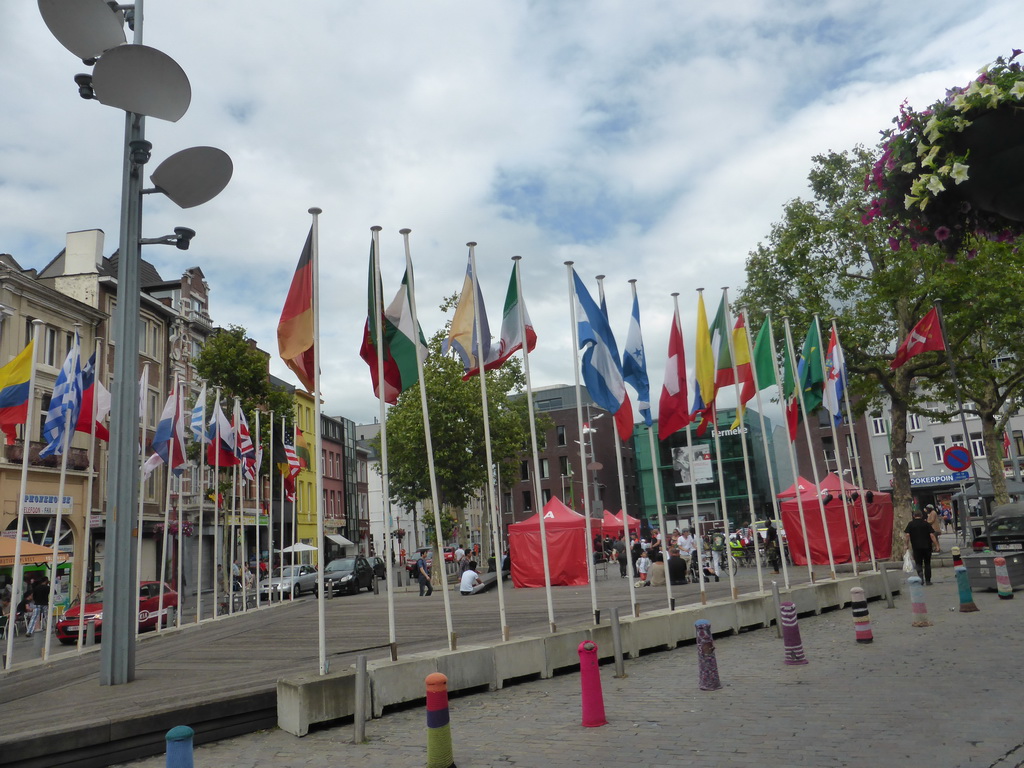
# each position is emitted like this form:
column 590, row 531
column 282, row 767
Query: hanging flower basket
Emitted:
column 955, row 171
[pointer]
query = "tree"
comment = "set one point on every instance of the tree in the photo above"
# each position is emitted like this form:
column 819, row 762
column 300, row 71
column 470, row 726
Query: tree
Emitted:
column 825, row 258
column 457, row 434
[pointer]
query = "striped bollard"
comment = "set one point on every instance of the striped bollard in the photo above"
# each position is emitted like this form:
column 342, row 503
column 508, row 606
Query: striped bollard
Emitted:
column 957, row 560
column 439, row 732
column 179, row 747
column 963, row 584
column 707, row 664
column 791, row 635
column 861, row 619
column 590, row 686
column 1003, row 579
column 917, row 605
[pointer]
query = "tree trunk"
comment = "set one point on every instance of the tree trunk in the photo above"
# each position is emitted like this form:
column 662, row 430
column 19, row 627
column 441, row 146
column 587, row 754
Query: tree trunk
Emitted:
column 994, row 455
column 902, row 501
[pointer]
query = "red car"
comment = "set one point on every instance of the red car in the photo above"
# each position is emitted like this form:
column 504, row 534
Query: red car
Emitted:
column 149, row 611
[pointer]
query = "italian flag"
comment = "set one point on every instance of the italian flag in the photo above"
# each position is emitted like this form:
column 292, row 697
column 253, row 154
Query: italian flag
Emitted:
column 511, row 329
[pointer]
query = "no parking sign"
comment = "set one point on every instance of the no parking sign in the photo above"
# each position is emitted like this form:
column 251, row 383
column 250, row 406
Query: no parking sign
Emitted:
column 956, row 458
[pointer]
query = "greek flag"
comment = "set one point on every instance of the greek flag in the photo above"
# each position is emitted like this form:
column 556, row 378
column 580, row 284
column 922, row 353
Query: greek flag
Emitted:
column 198, row 420
column 66, row 397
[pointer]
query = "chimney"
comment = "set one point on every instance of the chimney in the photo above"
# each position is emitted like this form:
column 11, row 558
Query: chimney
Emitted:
column 83, row 252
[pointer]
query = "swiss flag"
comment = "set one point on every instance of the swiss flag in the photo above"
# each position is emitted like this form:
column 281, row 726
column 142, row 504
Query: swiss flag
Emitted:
column 926, row 336
column 673, row 408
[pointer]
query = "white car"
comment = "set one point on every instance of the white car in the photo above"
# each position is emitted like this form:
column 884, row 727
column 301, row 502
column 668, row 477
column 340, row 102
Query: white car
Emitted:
column 290, row 581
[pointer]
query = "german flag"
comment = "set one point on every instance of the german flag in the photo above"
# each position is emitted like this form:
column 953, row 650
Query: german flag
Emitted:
column 295, row 330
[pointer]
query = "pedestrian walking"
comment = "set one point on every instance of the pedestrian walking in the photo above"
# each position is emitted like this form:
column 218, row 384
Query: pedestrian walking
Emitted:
column 40, row 601
column 920, row 538
column 423, row 575
column 933, row 519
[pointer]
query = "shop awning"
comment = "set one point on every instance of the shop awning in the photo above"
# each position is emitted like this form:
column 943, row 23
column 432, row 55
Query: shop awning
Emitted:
column 340, row 540
column 31, row 554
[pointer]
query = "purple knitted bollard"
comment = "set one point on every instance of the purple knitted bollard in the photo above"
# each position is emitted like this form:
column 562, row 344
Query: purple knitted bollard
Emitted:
column 707, row 665
column 791, row 635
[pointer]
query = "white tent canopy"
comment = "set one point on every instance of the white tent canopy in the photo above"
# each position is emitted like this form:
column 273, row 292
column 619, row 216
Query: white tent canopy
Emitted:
column 300, row 547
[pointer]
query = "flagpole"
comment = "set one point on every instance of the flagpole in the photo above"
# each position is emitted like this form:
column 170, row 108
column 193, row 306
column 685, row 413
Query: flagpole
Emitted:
column 799, row 387
column 282, row 539
column 764, row 443
column 37, row 326
column 143, row 418
column 378, row 341
column 622, row 484
column 478, row 329
column 790, row 444
column 87, row 533
column 65, row 439
column 583, row 462
column 199, row 528
column 839, row 461
column 856, row 454
column 295, row 504
column 256, row 482
column 963, row 424
column 270, row 509
column 743, row 440
column 167, row 517
column 434, row 496
column 179, row 413
column 656, row 478
column 218, row 544
column 233, row 525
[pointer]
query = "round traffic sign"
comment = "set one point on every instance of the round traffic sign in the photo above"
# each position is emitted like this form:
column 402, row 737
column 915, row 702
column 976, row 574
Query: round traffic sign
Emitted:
column 956, row 458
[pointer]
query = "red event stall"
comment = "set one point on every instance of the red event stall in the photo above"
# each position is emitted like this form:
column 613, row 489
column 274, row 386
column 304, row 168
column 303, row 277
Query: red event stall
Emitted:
column 567, row 547
column 880, row 516
column 611, row 525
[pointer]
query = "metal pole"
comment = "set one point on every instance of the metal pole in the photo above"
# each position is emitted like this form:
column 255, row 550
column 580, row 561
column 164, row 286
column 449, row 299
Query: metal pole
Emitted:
column 359, row 718
column 620, row 667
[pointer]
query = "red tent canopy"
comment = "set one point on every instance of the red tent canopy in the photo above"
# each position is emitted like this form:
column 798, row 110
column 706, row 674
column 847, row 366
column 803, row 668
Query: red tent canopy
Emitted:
column 879, row 517
column 611, row 525
column 802, row 483
column 832, row 483
column 566, row 534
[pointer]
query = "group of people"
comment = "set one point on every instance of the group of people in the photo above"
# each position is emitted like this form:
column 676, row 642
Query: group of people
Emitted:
column 33, row 603
column 469, row 576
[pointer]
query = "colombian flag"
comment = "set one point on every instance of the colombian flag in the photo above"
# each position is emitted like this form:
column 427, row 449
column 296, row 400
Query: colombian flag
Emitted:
column 14, row 379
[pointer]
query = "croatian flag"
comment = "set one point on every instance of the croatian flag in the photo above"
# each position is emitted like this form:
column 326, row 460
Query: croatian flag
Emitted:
column 835, row 379
column 601, row 367
column 169, row 439
column 93, row 392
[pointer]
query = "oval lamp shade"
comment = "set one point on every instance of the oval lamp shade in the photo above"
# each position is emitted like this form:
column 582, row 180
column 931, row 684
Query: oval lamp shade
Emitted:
column 194, row 175
column 87, row 28
column 143, row 80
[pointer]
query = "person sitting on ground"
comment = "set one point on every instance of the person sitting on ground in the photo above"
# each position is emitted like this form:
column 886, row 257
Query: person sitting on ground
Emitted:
column 470, row 579
column 656, row 573
column 676, row 568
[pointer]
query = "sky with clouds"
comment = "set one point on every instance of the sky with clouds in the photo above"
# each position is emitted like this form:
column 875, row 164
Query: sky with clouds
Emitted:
column 651, row 140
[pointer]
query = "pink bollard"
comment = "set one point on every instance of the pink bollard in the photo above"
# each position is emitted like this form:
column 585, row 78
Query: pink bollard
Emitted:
column 1003, row 586
column 590, row 686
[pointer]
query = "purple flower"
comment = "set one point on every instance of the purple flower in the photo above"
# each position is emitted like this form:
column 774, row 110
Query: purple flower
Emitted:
column 972, row 253
column 942, row 233
column 894, row 244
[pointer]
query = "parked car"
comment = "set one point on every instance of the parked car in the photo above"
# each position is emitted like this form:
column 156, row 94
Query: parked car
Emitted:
column 380, row 568
column 290, row 581
column 1005, row 533
column 348, row 574
column 149, row 611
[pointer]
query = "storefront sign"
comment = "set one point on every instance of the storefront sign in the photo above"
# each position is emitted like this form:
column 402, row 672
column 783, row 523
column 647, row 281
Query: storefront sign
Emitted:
column 247, row 520
column 955, row 477
column 37, row 504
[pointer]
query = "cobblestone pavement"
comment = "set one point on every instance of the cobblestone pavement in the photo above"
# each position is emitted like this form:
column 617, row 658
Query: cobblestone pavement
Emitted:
column 946, row 695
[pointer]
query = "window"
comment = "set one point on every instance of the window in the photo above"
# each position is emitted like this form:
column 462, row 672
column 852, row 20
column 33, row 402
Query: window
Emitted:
column 563, row 465
column 527, row 503
column 544, row 469
column 154, row 409
column 546, row 494
column 51, row 354
column 914, row 457
column 560, row 435
column 939, row 446
column 956, row 440
column 914, row 422
column 977, row 445
column 524, row 470
column 879, row 426
column 1018, row 443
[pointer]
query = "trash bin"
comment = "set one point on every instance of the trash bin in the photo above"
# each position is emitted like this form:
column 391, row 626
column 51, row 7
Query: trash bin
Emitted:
column 981, row 569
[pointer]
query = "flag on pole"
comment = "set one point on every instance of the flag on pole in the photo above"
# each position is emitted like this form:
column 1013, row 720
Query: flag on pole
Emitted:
column 395, row 325
column 462, row 334
column 743, row 368
column 634, row 364
column 764, row 358
column 835, row 379
column 221, row 436
column 673, row 408
column 926, row 336
column 809, row 370
column 790, row 394
column 704, row 370
column 600, row 368
column 93, row 391
column 720, row 348
column 287, row 463
column 1006, row 444
column 169, row 439
column 14, row 378
column 245, row 451
column 295, row 329
column 511, row 335
column 198, row 417
column 66, row 398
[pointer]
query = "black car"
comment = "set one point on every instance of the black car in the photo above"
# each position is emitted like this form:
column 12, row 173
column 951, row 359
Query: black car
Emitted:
column 348, row 574
column 380, row 568
column 1005, row 534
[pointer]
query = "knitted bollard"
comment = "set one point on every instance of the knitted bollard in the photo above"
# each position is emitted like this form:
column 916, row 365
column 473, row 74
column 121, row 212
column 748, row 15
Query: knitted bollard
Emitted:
column 963, row 584
column 439, row 732
column 590, row 686
column 791, row 641
column 957, row 560
column 917, row 606
column 861, row 619
column 179, row 747
column 707, row 664
column 1003, row 585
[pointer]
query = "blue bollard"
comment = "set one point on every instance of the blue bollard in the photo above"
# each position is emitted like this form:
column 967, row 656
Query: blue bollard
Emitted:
column 179, row 747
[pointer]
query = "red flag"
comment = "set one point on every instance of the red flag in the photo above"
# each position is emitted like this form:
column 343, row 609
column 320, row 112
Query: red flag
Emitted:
column 926, row 336
column 295, row 329
column 673, row 407
column 1006, row 444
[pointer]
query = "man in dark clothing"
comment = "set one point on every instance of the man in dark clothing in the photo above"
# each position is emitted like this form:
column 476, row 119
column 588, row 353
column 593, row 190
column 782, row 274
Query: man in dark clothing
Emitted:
column 40, row 602
column 620, row 554
column 676, row 568
column 423, row 575
column 920, row 539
